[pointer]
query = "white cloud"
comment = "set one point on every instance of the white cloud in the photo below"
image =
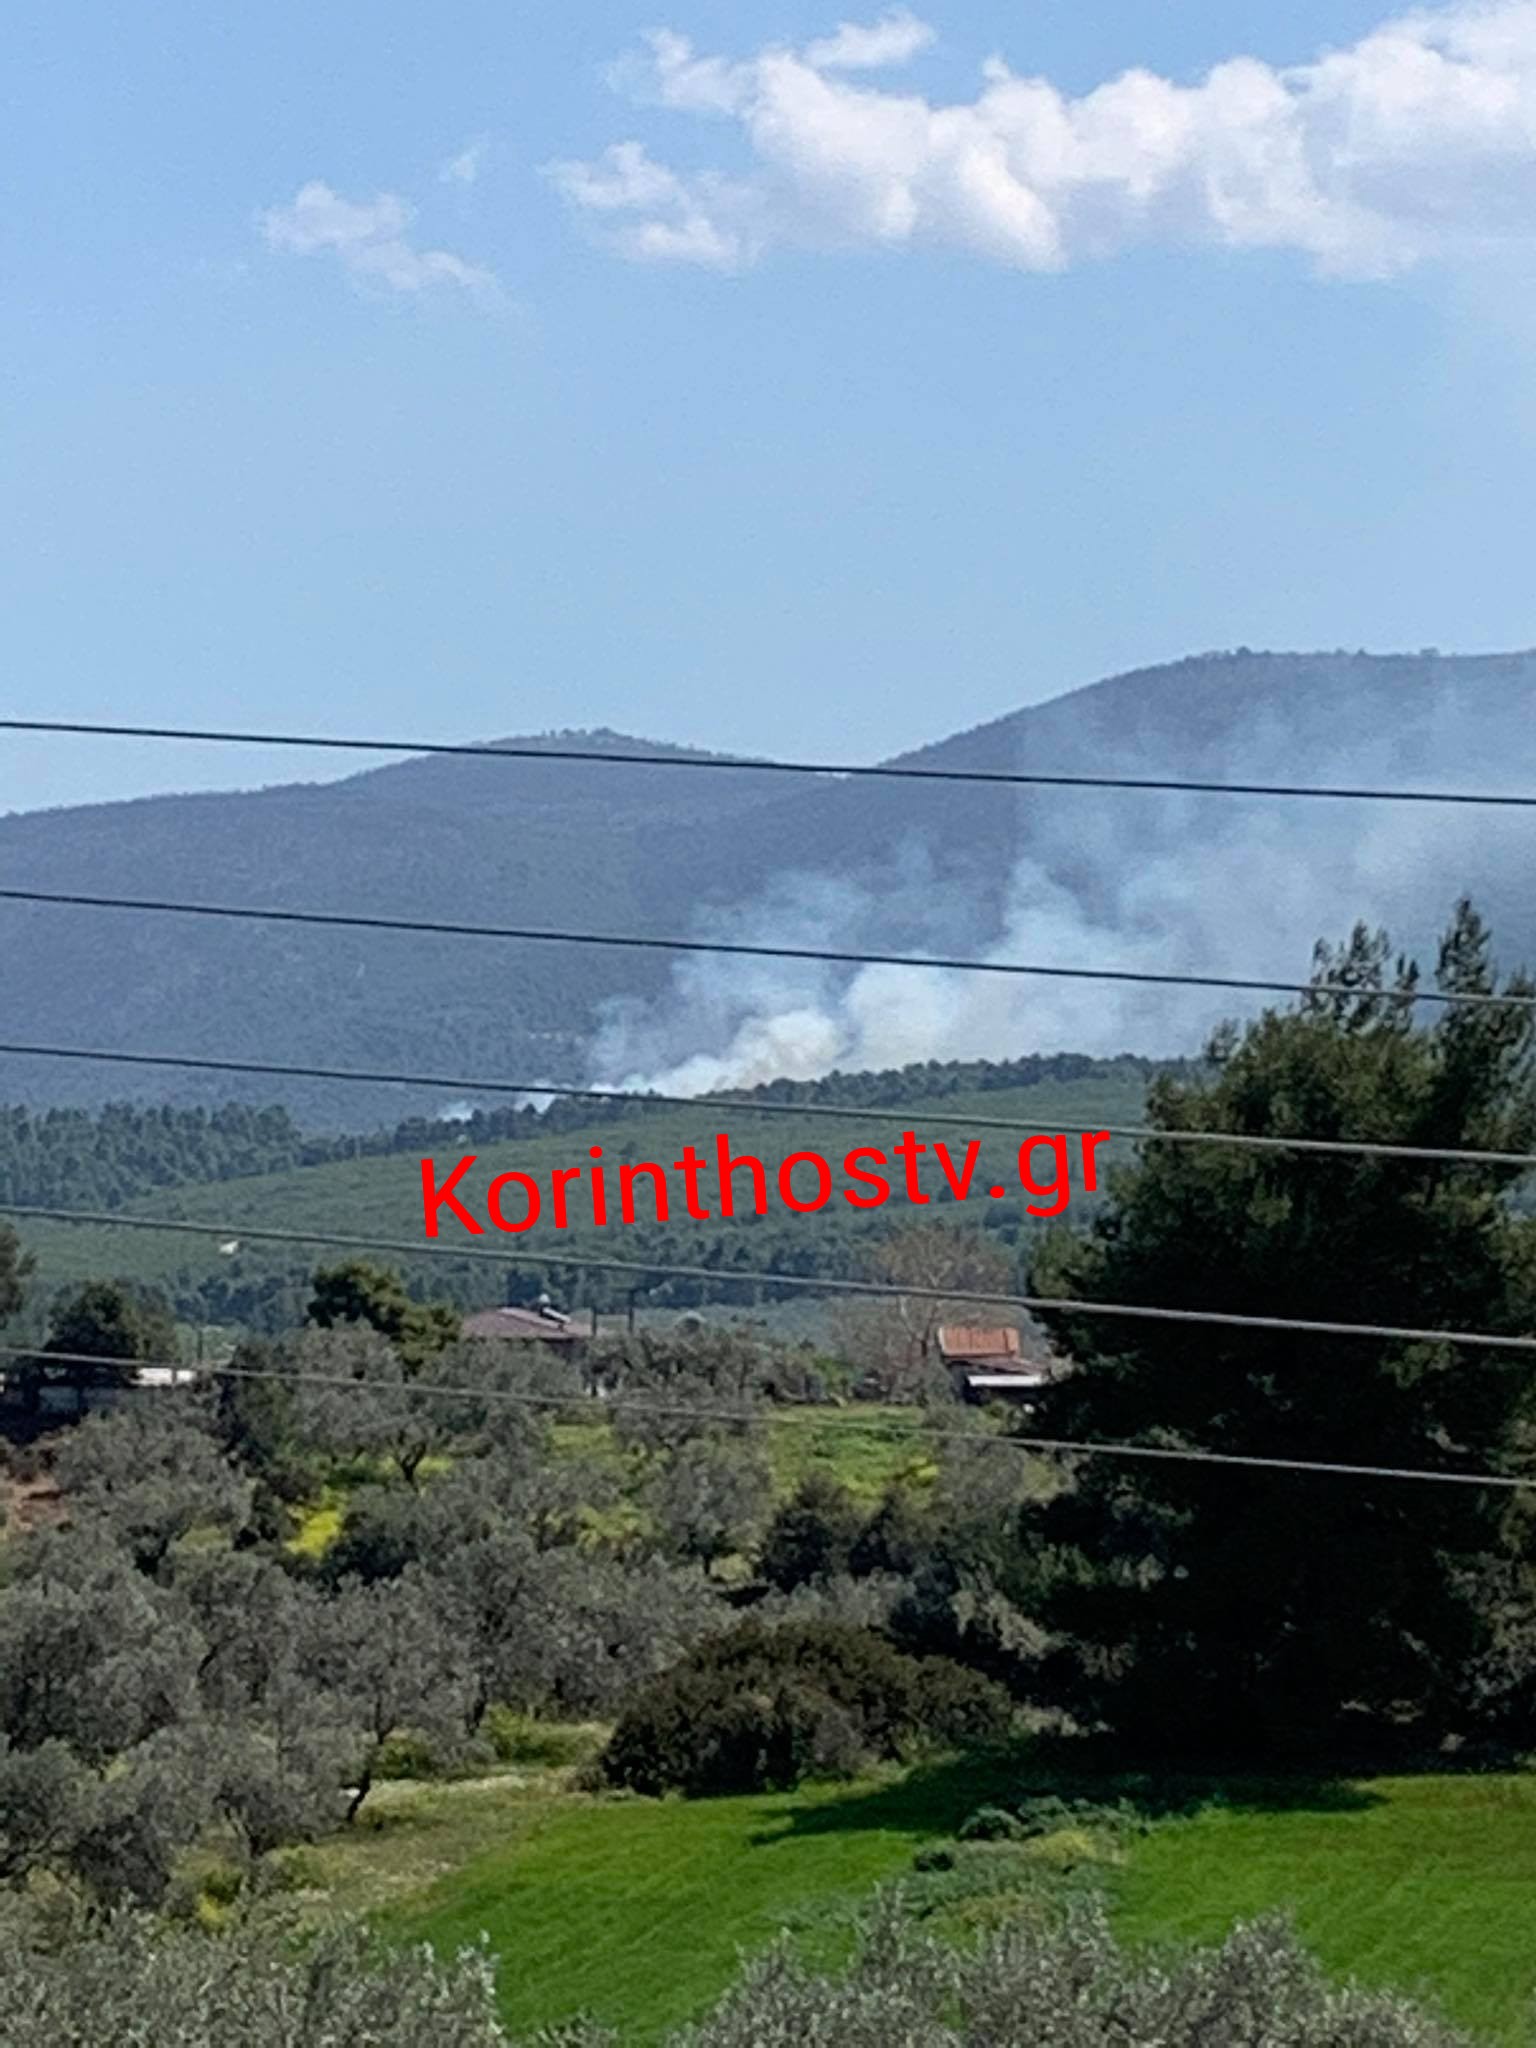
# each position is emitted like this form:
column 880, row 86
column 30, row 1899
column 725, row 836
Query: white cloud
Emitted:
column 1417, row 141
column 369, row 239
column 677, row 222
column 896, row 40
column 465, row 168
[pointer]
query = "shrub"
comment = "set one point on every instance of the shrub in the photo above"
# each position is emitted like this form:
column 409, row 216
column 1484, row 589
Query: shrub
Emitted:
column 1048, row 1813
column 991, row 1824
column 812, row 1535
column 292, row 1870
column 131, row 1980
column 518, row 1738
column 1051, row 1984
column 761, row 1708
column 407, row 1755
column 937, row 1856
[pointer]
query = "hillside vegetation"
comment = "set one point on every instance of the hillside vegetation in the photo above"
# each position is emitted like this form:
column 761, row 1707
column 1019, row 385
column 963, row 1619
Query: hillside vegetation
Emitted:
column 380, row 1195
column 948, row 869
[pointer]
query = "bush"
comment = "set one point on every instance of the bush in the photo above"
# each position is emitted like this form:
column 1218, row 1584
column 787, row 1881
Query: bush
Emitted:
column 812, row 1535
column 408, row 1755
column 761, row 1708
column 991, row 1824
column 292, row 1870
column 517, row 1738
column 131, row 1980
column 1049, row 1813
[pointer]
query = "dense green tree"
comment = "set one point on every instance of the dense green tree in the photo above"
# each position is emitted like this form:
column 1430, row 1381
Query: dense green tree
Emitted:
column 91, row 1651
column 589, row 1628
column 248, row 1613
column 15, row 1267
column 812, row 1534
column 276, row 1779
column 98, row 1335
column 384, row 1653
column 140, row 1817
column 758, row 1707
column 1217, row 1607
column 358, row 1292
column 355, row 1395
column 42, row 1795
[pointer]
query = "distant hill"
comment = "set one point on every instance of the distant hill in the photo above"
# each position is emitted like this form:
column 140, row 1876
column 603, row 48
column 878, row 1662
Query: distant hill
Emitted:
column 1109, row 878
column 378, row 1193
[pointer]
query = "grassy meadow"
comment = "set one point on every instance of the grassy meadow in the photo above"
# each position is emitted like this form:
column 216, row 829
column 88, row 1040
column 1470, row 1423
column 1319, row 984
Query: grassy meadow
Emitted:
column 1424, row 1883
column 639, row 1910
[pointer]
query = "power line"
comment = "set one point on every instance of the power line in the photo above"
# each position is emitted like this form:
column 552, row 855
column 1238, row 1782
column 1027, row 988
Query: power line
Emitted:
column 668, row 1269
column 1063, row 1446
column 843, row 770
column 358, row 921
column 805, row 1112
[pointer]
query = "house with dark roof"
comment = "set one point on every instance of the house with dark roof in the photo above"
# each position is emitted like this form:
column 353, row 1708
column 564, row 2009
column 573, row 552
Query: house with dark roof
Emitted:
column 542, row 1323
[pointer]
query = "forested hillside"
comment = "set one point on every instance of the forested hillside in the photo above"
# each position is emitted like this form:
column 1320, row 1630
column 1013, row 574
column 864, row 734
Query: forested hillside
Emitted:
column 358, row 1187
column 105, row 1157
column 1104, row 877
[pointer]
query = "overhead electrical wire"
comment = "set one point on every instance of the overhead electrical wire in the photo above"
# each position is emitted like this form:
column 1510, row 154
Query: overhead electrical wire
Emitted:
column 803, row 1112
column 843, row 770
column 360, row 921
column 816, row 1283
column 839, row 1420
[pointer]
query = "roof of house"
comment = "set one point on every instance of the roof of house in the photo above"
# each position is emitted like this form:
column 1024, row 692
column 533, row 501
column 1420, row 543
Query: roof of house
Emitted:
column 958, row 1343
column 528, row 1325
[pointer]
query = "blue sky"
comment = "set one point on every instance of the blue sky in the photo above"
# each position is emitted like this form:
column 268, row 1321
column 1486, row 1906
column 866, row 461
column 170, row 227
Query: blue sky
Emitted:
column 353, row 384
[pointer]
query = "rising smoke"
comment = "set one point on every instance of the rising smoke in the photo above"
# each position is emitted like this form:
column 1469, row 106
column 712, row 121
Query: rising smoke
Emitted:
column 1166, row 883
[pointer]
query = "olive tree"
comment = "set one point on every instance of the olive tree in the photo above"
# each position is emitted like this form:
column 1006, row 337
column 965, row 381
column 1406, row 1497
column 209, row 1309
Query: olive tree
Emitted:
column 710, row 1499
column 132, row 1980
column 1051, row 1985
column 91, row 1652
column 149, row 1474
column 386, row 1657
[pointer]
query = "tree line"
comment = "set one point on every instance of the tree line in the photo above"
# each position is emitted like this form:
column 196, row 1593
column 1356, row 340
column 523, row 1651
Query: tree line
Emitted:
column 106, row 1157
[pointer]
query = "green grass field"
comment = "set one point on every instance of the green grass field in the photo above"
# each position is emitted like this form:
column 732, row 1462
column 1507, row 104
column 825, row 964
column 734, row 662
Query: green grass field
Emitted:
column 1422, row 1883
column 866, row 1447
column 638, row 1911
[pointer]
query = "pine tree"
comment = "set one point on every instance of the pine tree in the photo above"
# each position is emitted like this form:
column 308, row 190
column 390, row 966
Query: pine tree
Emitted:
column 1220, row 1607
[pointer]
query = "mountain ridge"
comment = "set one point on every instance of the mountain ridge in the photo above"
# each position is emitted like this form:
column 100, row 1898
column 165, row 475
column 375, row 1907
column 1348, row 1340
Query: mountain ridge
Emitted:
column 866, row 863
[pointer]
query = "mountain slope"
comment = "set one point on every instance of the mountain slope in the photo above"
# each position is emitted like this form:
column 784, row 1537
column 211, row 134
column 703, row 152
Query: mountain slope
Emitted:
column 1218, row 884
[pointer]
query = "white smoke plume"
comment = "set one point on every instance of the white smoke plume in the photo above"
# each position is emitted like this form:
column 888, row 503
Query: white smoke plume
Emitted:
column 1163, row 884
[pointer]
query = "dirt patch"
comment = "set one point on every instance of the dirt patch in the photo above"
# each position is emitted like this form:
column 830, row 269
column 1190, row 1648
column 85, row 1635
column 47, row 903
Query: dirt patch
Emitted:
column 27, row 1504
